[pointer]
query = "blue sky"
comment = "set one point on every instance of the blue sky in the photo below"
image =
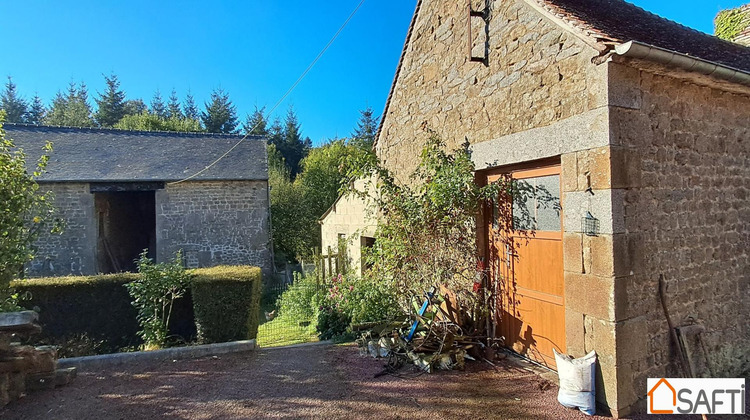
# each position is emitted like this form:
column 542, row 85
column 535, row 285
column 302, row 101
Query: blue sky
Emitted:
column 253, row 49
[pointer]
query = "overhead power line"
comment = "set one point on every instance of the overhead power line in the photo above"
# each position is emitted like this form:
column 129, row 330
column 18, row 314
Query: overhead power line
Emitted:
column 279, row 102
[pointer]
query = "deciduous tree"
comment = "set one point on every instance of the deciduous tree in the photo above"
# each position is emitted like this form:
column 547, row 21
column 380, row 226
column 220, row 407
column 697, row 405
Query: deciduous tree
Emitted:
column 25, row 213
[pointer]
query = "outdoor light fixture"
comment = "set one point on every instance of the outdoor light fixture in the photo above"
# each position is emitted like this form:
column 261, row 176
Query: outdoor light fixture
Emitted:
column 590, row 225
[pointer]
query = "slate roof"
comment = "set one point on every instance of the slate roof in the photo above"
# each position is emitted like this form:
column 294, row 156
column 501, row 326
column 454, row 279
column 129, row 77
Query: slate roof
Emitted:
column 619, row 21
column 106, row 155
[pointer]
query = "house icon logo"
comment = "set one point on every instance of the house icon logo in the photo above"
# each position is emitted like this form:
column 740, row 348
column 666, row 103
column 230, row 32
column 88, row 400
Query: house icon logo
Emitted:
column 662, row 393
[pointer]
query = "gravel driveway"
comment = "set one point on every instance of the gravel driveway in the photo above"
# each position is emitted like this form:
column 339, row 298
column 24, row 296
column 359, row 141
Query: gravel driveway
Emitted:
column 331, row 382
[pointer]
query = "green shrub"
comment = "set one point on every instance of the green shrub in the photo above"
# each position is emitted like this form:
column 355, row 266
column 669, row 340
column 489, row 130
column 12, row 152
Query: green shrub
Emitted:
column 350, row 299
column 154, row 293
column 98, row 306
column 226, row 302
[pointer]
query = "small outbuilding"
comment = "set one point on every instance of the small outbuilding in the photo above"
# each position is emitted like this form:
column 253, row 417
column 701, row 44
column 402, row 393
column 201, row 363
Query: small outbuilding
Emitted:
column 120, row 192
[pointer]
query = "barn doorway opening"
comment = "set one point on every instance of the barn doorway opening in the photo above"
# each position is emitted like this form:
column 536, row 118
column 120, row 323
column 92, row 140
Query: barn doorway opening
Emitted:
column 126, row 226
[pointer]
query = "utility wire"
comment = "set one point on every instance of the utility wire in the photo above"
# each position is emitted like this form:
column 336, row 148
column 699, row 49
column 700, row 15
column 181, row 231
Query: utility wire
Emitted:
column 288, row 92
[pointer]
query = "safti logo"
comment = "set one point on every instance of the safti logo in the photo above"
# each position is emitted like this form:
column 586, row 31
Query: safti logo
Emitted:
column 696, row 396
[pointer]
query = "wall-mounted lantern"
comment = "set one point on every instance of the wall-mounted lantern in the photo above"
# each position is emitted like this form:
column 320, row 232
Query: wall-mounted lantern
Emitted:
column 590, row 225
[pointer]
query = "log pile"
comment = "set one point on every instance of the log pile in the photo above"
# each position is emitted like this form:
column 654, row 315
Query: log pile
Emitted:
column 26, row 368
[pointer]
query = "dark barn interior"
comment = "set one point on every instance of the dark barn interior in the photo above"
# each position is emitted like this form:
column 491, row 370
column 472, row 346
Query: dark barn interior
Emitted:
column 126, row 226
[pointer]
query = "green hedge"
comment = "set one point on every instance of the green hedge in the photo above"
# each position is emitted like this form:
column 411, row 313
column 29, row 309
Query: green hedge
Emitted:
column 97, row 306
column 226, row 303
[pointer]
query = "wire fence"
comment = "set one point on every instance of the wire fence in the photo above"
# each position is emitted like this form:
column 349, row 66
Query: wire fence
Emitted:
column 277, row 329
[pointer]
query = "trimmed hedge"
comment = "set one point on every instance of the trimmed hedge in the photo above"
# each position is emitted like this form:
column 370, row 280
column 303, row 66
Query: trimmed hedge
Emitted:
column 98, row 306
column 226, row 303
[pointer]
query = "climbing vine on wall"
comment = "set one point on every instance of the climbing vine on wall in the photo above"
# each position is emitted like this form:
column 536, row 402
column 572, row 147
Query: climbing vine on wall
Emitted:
column 730, row 23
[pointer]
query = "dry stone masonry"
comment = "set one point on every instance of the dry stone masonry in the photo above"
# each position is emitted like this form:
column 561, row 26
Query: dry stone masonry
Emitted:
column 25, row 368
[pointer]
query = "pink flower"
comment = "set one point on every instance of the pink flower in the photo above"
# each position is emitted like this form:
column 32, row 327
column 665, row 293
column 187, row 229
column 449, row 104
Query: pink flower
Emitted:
column 351, row 288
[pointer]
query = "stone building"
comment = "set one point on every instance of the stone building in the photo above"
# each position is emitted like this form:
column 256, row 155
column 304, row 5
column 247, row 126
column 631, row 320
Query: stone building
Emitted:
column 639, row 128
column 119, row 192
column 349, row 221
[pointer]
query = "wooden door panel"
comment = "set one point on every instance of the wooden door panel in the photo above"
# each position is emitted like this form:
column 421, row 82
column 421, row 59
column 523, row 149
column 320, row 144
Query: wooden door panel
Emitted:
column 527, row 266
column 544, row 270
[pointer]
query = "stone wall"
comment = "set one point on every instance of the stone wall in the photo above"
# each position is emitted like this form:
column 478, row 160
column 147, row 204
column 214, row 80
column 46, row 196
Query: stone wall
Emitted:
column 73, row 252
column 536, row 74
column 684, row 164
column 215, row 223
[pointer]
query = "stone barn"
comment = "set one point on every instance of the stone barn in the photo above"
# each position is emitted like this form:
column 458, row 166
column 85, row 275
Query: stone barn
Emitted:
column 120, row 192
column 639, row 129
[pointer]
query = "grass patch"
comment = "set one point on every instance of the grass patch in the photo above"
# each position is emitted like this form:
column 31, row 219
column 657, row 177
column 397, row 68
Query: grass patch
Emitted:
column 283, row 331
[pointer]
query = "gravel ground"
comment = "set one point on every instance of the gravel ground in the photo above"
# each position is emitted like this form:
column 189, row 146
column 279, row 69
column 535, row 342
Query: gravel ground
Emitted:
column 331, row 382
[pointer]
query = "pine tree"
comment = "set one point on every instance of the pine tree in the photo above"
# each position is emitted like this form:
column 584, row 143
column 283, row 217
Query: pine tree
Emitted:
column 134, row 107
column 173, row 107
column 255, row 123
column 189, row 108
column 15, row 107
column 71, row 109
column 220, row 115
column 111, row 103
column 37, row 111
column 364, row 135
column 276, row 134
column 293, row 147
column 56, row 113
column 157, row 105
column 79, row 110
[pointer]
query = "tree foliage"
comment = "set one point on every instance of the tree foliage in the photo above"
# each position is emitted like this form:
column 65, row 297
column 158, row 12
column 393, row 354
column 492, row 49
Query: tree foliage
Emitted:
column 189, row 109
column 72, row 108
column 37, row 111
column 220, row 115
column 26, row 212
column 157, row 105
column 173, row 107
column 154, row 293
column 146, row 121
column 15, row 106
column 111, row 103
column 728, row 24
column 367, row 127
column 255, row 123
column 134, row 107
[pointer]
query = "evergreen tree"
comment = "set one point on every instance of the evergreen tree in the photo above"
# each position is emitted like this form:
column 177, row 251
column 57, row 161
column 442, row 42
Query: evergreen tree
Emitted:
column 111, row 103
column 189, row 108
column 157, row 105
column 56, row 113
column 79, row 109
column 37, row 111
column 255, row 123
column 220, row 115
column 72, row 109
column 15, row 107
column 295, row 148
column 134, row 107
column 276, row 135
column 364, row 135
column 173, row 107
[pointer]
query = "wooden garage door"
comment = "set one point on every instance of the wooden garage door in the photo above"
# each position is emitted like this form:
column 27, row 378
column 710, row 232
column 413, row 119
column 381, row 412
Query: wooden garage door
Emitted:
column 526, row 263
